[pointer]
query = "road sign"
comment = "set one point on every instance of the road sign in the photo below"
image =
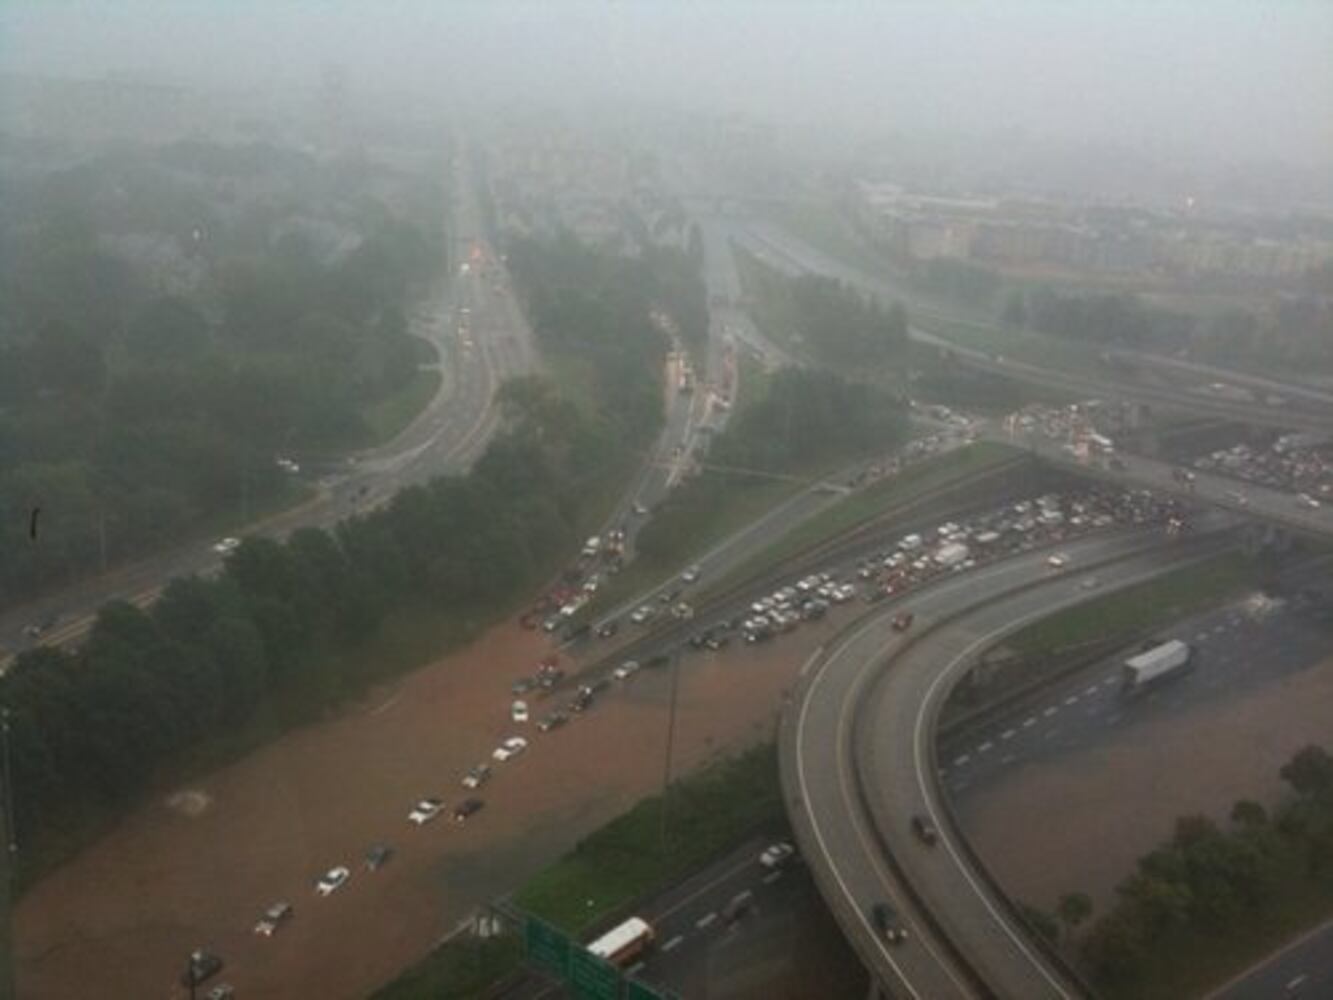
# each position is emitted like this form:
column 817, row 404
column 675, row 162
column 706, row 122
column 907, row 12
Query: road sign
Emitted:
column 635, row 990
column 547, row 947
column 592, row 978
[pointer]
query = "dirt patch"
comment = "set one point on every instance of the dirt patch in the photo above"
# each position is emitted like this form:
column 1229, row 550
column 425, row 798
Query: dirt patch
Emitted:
column 1115, row 802
column 196, row 867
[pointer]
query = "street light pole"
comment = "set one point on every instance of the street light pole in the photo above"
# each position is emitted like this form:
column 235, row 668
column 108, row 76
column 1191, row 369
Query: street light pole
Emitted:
column 670, row 741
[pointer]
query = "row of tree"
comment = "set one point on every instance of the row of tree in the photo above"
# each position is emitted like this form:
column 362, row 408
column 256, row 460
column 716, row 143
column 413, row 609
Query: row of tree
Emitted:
column 1294, row 331
column 91, row 727
column 130, row 415
column 825, row 317
column 1208, row 880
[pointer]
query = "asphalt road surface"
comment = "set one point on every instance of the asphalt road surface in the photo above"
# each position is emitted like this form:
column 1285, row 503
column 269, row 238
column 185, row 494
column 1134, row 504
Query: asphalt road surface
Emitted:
column 1301, row 971
column 858, row 762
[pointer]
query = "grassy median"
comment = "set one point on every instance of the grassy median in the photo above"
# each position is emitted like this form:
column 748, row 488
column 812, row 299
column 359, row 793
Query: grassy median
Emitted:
column 629, row 858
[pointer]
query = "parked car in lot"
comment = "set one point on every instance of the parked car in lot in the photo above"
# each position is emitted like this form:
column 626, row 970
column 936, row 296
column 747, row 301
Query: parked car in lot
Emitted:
column 607, row 629
column 510, row 748
column 466, row 808
column 642, row 614
column 425, row 811
column 886, row 922
column 222, row 991
column 226, row 546
column 553, row 721
column 377, row 856
column 523, row 685
column 477, row 776
column 518, row 711
column 274, row 917
column 582, row 700
column 777, row 855
column 332, row 880
column 1058, row 561
column 691, row 574
column 202, row 965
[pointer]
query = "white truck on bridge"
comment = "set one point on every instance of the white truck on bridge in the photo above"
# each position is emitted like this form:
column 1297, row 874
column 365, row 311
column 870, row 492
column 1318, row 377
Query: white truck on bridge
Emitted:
column 1156, row 664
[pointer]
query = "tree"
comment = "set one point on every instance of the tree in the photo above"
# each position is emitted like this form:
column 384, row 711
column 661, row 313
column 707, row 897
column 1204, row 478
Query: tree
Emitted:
column 1040, row 921
column 1249, row 815
column 1310, row 772
column 1073, row 909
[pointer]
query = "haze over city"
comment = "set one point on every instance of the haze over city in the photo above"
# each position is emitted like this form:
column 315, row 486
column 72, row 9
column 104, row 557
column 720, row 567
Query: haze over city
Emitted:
column 666, row 501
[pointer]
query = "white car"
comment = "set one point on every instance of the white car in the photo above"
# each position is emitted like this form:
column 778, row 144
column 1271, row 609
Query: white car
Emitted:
column 626, row 670
column 332, row 881
column 1307, row 501
column 226, row 545
column 510, row 748
column 691, row 574
column 518, row 711
column 641, row 614
column 1058, row 561
column 777, row 855
column 425, row 811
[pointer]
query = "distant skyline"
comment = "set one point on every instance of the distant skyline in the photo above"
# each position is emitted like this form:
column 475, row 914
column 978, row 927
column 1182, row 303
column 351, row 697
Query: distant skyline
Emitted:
column 1208, row 79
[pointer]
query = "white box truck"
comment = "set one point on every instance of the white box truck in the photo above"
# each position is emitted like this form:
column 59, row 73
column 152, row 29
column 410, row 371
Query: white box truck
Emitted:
column 1156, row 665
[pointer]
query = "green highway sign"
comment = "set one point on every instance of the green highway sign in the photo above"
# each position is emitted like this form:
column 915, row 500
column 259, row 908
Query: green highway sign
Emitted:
column 592, row 978
column 547, row 947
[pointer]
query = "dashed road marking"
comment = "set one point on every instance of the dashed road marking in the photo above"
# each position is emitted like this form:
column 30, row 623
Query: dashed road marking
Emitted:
column 1008, row 758
column 673, row 943
column 985, row 747
column 1092, row 690
column 1008, row 734
column 1029, row 722
column 1109, row 682
column 961, row 759
column 1201, row 637
column 1049, row 710
column 1072, row 699
column 635, row 969
column 706, row 920
column 771, row 877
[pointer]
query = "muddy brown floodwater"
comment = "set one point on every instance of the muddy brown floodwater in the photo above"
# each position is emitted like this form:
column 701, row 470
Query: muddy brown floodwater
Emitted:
column 1102, row 807
column 198, row 865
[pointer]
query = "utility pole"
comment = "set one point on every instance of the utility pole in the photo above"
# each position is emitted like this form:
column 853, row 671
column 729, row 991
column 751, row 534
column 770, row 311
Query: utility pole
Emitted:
column 670, row 741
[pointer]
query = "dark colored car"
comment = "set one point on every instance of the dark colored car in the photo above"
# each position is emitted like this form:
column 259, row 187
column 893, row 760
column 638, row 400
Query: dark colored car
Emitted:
column 582, row 700
column 886, row 922
column 903, row 621
column 924, row 829
column 467, row 808
column 202, row 966
column 378, row 856
column 607, row 629
column 553, row 721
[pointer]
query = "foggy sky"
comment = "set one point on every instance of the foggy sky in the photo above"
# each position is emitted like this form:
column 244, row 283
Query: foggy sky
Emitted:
column 1205, row 79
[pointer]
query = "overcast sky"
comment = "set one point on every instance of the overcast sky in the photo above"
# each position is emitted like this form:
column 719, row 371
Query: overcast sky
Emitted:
column 1211, row 77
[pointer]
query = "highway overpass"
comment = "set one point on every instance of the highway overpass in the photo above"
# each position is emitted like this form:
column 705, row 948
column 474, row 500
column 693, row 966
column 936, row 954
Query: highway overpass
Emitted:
column 857, row 752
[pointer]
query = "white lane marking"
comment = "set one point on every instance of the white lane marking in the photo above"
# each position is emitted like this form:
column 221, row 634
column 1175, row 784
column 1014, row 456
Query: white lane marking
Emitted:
column 1072, row 699
column 635, row 969
column 1029, row 722
column 673, row 943
column 1049, row 711
column 386, row 705
column 1008, row 734
column 985, row 747
column 771, row 877
column 706, row 920
column 1109, row 682
column 1201, row 637
column 703, row 889
column 1050, row 733
column 1008, row 758
column 1090, row 691
column 961, row 759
